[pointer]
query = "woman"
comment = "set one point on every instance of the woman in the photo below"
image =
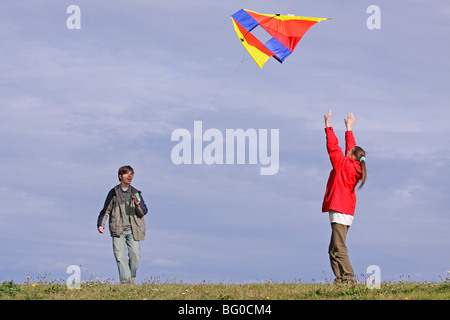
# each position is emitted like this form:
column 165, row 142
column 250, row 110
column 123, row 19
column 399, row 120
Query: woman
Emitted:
column 340, row 198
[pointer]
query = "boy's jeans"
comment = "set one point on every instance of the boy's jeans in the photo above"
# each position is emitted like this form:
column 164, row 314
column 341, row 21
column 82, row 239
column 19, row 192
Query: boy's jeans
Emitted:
column 127, row 268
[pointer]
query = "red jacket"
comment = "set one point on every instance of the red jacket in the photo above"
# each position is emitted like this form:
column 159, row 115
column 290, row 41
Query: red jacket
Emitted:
column 340, row 193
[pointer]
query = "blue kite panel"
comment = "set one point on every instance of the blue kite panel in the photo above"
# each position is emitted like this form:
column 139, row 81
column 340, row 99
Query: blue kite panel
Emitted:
column 245, row 20
column 278, row 48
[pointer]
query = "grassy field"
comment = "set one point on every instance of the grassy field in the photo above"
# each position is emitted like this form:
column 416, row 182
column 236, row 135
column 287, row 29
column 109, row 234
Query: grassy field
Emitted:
column 93, row 290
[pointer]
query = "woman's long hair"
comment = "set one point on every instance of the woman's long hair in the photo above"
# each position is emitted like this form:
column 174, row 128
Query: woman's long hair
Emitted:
column 359, row 152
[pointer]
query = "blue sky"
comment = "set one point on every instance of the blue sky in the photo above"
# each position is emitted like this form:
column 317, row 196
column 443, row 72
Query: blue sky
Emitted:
column 78, row 104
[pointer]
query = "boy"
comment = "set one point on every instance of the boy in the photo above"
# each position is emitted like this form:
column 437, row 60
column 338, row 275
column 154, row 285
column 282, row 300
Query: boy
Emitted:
column 126, row 208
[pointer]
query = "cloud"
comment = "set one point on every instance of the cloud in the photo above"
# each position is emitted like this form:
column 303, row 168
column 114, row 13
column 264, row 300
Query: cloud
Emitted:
column 164, row 263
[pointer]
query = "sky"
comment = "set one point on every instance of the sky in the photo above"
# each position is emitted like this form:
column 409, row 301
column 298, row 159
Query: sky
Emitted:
column 76, row 104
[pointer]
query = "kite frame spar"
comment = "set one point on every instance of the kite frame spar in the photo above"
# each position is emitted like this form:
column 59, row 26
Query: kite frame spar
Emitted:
column 286, row 32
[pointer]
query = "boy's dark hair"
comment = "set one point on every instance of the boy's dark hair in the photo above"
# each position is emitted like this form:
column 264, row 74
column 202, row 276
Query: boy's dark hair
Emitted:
column 123, row 170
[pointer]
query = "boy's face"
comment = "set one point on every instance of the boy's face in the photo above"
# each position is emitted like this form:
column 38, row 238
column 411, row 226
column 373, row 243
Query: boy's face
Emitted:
column 127, row 177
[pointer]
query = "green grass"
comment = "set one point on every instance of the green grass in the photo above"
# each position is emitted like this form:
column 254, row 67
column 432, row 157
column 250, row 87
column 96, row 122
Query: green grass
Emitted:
column 96, row 290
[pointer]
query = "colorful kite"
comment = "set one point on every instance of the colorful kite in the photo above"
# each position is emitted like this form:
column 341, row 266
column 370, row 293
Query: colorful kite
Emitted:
column 286, row 31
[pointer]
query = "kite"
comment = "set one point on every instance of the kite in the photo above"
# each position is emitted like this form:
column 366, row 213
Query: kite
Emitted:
column 286, row 32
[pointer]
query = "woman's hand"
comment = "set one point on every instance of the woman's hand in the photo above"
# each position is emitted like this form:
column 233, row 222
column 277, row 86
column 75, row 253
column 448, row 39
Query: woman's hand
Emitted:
column 327, row 119
column 349, row 121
